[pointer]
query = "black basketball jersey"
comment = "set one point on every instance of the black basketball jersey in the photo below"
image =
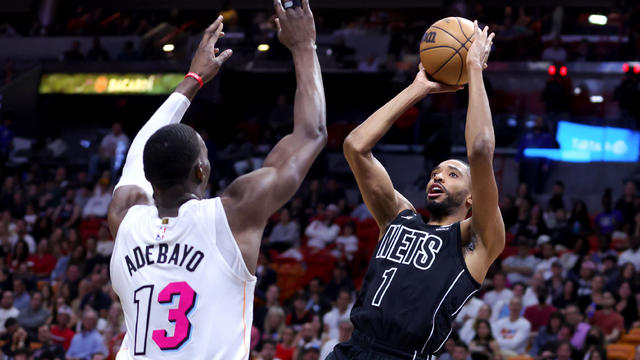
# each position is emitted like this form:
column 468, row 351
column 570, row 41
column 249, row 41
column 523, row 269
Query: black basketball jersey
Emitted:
column 416, row 284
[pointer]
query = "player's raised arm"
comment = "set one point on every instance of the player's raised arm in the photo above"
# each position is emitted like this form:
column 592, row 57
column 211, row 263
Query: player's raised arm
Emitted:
column 486, row 222
column 374, row 182
column 251, row 199
column 133, row 188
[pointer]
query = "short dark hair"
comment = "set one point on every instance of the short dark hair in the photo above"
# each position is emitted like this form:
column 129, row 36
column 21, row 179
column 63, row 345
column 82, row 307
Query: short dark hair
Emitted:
column 169, row 155
column 461, row 344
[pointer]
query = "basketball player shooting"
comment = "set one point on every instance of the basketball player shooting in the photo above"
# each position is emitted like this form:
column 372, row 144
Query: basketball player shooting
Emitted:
column 183, row 265
column 421, row 274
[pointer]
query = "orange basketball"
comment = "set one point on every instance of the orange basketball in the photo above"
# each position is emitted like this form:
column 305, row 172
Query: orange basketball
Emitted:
column 443, row 50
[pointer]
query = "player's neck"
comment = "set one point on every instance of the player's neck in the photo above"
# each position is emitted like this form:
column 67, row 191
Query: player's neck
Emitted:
column 169, row 201
column 446, row 219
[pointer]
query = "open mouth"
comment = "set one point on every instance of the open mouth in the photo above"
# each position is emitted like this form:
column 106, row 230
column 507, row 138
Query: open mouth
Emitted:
column 435, row 191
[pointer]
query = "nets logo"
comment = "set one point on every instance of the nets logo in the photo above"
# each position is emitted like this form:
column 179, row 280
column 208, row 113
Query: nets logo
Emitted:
column 429, row 37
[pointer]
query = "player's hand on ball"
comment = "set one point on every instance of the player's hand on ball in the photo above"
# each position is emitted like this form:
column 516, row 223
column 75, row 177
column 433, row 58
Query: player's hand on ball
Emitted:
column 431, row 87
column 208, row 59
column 295, row 25
column 480, row 47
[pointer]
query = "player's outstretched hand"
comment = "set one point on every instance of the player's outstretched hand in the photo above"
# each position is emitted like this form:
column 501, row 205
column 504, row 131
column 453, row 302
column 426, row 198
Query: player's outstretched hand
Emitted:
column 480, row 47
column 295, row 25
column 208, row 59
column 431, row 87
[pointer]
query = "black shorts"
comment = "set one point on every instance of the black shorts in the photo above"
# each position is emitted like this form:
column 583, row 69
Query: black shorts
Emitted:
column 362, row 347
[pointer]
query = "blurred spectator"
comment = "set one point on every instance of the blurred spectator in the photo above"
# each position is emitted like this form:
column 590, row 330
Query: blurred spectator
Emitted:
column 48, row 349
column 271, row 299
column 323, row 230
column 512, row 333
column 67, row 213
column 627, row 305
column 345, row 329
column 286, row 348
column 98, row 204
column 361, row 212
column 96, row 298
column 483, row 343
column 111, row 143
column 268, row 351
column 460, row 351
column 97, row 52
column 341, row 311
column 21, row 298
column 626, row 204
column 548, row 257
column 42, row 261
column 611, row 323
column 310, row 353
column 129, row 52
column 609, row 219
column 538, row 315
column 307, row 339
column 499, row 292
column 346, row 244
column 519, row 267
column 631, row 255
column 468, row 330
column 274, row 323
column 34, row 315
column 369, row 65
column 558, row 199
column 547, row 335
column 556, row 52
column 73, row 54
column 265, row 275
column 318, row 302
column 7, row 310
column 61, row 333
column 533, row 171
column 285, row 233
column 574, row 318
column 88, row 341
column 298, row 314
column 334, row 194
column 339, row 281
column 22, row 235
column 16, row 340
column 469, row 310
column 6, row 136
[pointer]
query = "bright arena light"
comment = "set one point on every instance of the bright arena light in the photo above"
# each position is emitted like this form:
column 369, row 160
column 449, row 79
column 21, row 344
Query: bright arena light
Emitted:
column 168, row 47
column 263, row 47
column 596, row 99
column 598, row 19
column 577, row 91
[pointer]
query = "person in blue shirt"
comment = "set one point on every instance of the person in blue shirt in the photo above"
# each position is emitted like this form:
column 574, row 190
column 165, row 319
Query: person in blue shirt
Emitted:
column 87, row 342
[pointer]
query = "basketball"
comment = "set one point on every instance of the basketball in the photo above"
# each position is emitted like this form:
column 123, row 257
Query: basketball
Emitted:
column 443, row 50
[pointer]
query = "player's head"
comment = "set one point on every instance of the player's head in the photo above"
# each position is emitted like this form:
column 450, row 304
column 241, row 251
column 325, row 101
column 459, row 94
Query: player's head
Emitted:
column 449, row 189
column 176, row 156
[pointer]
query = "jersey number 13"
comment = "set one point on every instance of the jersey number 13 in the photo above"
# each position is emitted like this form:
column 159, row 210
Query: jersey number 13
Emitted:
column 179, row 316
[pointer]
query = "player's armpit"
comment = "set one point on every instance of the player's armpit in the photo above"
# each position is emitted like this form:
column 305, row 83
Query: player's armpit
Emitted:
column 487, row 247
column 124, row 197
column 375, row 185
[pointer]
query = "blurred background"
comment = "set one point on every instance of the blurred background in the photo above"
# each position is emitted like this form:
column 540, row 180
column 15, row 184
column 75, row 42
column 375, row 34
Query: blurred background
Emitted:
column 79, row 78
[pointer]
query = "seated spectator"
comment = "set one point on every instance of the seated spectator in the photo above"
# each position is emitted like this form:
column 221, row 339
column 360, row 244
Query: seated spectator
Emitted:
column 594, row 340
column 519, row 267
column 556, row 52
column 96, row 298
column 460, row 351
column 547, row 334
column 61, row 333
column 271, row 299
column 67, row 213
column 611, row 323
column 21, row 298
column 346, row 244
column 34, row 315
column 307, row 339
column 299, row 314
column 74, row 53
column 361, row 212
column 15, row 339
column 111, row 145
column 564, row 351
column 587, row 272
column 22, row 234
column 274, row 324
column 539, row 314
column 318, row 302
column 88, row 341
column 285, row 233
column 627, row 305
column 286, row 347
column 7, row 310
column 548, row 257
column 311, row 352
column 340, row 312
column 499, row 292
column 19, row 255
column 98, row 204
column 483, row 343
column 631, row 255
column 345, row 328
column 268, row 351
column 48, row 348
column 512, row 333
column 502, row 309
column 323, row 231
column 43, row 262
column 609, row 219
column 555, row 284
column 468, row 330
column 339, row 281
column 469, row 310
column 97, row 52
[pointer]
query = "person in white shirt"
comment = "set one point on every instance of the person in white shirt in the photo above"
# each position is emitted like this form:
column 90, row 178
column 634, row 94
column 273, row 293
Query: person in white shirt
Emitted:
column 346, row 244
column 340, row 312
column 346, row 329
column 631, row 255
column 548, row 257
column 499, row 292
column 323, row 231
column 469, row 310
column 520, row 267
column 21, row 234
column 7, row 310
column 501, row 308
column 285, row 233
column 98, row 203
column 512, row 333
column 556, row 52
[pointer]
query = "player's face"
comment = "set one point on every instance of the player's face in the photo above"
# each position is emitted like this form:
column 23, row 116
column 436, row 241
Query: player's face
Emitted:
column 449, row 188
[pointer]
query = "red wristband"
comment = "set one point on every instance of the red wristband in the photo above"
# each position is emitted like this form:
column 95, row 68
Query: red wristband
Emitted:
column 195, row 76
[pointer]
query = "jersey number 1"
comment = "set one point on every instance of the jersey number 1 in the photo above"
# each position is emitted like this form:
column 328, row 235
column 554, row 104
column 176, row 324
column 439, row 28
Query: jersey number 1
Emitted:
column 178, row 316
column 387, row 277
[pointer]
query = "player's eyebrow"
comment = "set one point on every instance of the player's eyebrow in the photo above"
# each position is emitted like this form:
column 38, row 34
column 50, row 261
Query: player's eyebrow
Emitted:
column 454, row 168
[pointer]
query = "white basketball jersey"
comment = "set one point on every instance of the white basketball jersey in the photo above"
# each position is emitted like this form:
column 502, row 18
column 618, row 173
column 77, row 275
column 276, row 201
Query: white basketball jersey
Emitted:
column 183, row 284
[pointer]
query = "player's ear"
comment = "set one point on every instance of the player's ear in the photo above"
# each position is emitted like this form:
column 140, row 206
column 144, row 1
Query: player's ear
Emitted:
column 199, row 172
column 468, row 201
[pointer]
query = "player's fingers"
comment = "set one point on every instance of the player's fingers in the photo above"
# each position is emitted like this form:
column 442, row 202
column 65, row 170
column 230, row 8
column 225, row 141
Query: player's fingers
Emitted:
column 475, row 27
column 216, row 34
column 216, row 50
column 492, row 36
column 305, row 6
column 485, row 66
column 485, row 31
column 420, row 66
column 277, row 21
column 211, row 29
column 224, row 56
column 277, row 5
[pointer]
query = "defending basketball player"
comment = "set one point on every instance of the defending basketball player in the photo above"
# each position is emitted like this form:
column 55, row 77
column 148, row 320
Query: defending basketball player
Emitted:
column 183, row 265
column 421, row 274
